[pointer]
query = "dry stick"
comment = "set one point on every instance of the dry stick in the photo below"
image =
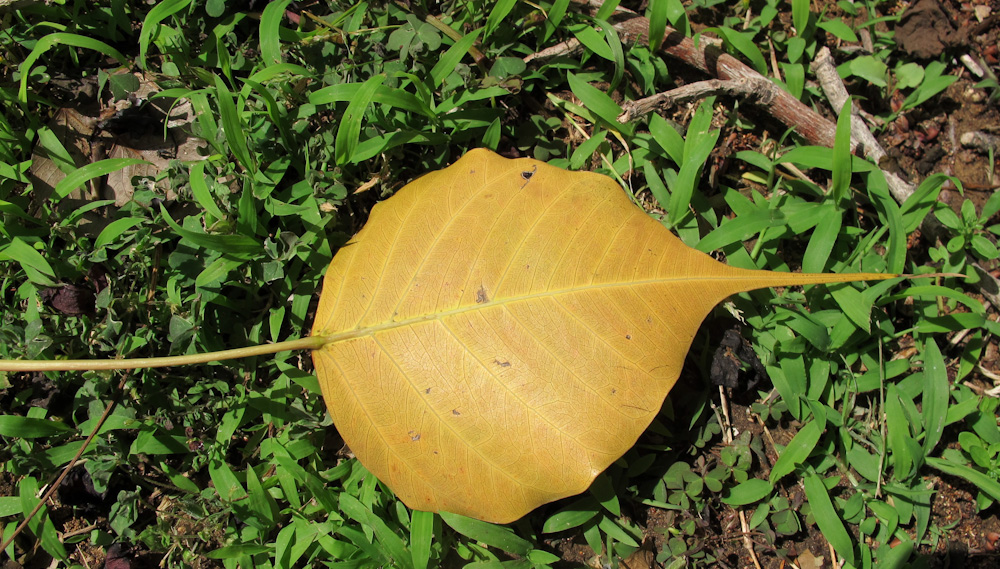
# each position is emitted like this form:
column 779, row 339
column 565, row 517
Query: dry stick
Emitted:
column 712, row 60
column 759, row 89
column 55, row 485
column 715, row 62
column 785, row 107
column 836, row 93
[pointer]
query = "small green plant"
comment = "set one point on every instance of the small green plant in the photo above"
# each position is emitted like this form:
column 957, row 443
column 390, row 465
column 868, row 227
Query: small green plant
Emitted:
column 969, row 231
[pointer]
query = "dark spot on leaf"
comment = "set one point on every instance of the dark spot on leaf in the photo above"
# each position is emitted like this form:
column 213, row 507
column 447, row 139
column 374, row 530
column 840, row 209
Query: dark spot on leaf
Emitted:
column 481, row 295
column 455, row 412
column 628, row 336
column 502, row 363
column 414, row 436
column 527, row 174
column 428, row 390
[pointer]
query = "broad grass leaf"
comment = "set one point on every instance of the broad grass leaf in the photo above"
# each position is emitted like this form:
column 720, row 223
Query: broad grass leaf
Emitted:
column 386, row 537
column 800, row 15
column 61, row 38
column 498, row 14
column 32, row 262
column 93, row 170
column 748, row 492
column 936, row 395
column 202, row 193
column 232, row 124
column 797, row 451
column 151, row 25
column 827, row 518
column 983, row 482
column 421, row 536
column 451, row 58
column 900, row 440
column 503, row 330
column 555, row 16
column 113, row 230
column 574, row 515
column 350, row 126
column 599, row 103
column 40, row 524
column 657, row 16
column 261, row 504
column 840, row 184
column 30, row 428
column 9, row 506
column 270, row 23
column 743, row 43
column 493, row 535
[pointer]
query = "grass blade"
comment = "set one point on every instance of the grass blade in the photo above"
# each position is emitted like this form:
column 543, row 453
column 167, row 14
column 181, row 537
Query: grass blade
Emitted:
column 446, row 64
column 748, row 492
column 797, row 451
column 899, row 434
column 387, row 539
column 421, row 535
column 617, row 52
column 61, row 38
column 30, row 428
column 490, row 534
column 232, row 126
column 40, row 525
column 32, row 262
column 599, row 103
column 826, row 516
column 202, row 194
column 114, row 230
column 841, row 182
column 350, row 127
column 498, row 14
column 983, row 482
column 935, row 396
column 150, row 26
column 270, row 22
column 657, row 22
column 821, row 242
column 80, row 176
column 239, row 246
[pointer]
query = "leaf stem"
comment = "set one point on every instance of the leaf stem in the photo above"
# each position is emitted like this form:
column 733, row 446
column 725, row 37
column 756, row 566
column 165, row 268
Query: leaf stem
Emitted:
column 307, row 343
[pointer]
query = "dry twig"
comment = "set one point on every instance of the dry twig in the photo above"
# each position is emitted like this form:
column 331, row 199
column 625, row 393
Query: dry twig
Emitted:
column 757, row 90
column 861, row 138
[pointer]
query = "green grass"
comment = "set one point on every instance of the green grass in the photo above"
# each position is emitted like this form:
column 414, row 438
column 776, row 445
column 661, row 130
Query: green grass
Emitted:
column 237, row 464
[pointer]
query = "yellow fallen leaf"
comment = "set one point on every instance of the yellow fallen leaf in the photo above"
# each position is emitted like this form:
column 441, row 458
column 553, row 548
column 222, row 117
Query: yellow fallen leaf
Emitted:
column 503, row 330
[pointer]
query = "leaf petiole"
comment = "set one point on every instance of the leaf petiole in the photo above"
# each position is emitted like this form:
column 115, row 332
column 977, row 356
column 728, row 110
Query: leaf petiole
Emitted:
column 308, row 343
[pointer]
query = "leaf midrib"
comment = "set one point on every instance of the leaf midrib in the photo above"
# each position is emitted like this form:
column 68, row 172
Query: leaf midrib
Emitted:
column 359, row 331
